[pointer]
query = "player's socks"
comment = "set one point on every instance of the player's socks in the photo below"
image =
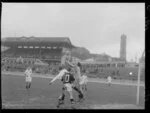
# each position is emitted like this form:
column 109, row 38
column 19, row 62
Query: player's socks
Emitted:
column 29, row 85
column 26, row 86
column 81, row 97
column 60, row 102
column 76, row 89
column 61, row 99
column 72, row 101
column 85, row 88
column 80, row 93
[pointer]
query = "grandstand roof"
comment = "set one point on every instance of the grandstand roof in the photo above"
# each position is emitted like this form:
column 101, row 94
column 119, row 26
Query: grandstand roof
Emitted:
column 39, row 40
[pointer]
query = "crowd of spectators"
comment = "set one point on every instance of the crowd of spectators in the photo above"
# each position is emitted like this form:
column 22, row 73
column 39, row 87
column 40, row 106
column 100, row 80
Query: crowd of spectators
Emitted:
column 14, row 65
column 91, row 71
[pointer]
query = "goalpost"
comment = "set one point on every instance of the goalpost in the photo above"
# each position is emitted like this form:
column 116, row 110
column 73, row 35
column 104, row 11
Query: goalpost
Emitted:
column 138, row 82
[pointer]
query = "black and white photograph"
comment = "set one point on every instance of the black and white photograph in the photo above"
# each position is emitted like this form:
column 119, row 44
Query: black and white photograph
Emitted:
column 73, row 56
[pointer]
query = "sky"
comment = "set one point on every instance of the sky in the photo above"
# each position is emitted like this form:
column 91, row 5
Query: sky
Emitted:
column 95, row 26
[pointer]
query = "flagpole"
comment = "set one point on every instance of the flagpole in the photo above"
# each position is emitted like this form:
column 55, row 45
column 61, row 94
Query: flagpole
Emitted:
column 138, row 83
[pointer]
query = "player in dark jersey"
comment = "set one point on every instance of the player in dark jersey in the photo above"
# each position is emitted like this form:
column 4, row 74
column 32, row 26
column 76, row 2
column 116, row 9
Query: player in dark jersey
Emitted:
column 67, row 79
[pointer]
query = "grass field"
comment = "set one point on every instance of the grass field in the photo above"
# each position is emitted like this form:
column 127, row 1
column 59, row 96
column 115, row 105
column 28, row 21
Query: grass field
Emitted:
column 43, row 96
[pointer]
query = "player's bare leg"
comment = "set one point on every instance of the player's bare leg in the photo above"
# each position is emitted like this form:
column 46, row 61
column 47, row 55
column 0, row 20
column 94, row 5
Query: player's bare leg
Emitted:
column 85, row 86
column 85, row 89
column 81, row 88
column 71, row 97
column 26, row 86
column 29, row 85
column 60, row 101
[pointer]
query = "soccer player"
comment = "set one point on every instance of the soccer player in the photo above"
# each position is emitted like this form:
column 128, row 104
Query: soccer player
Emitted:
column 109, row 80
column 66, row 59
column 77, row 80
column 28, row 77
column 83, row 82
column 67, row 79
column 77, row 74
column 66, row 62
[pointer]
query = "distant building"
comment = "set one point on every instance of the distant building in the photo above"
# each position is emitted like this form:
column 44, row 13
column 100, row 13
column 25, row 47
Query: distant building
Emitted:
column 123, row 47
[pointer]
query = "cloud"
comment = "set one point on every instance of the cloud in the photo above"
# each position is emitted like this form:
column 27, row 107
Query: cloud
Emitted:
column 135, row 48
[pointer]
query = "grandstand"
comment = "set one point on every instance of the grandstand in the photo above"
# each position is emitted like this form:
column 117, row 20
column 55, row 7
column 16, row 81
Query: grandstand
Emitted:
column 42, row 52
column 44, row 48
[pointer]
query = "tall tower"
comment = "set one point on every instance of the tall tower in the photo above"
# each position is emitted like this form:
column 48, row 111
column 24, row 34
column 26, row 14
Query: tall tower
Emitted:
column 123, row 47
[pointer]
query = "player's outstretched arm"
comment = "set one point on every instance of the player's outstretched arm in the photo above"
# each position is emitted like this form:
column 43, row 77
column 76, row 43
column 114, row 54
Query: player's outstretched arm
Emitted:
column 57, row 76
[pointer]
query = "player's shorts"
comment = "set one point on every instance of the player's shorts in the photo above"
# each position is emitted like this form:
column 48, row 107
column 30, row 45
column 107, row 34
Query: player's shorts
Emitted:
column 68, row 87
column 82, row 82
column 109, row 81
column 28, row 79
column 76, row 83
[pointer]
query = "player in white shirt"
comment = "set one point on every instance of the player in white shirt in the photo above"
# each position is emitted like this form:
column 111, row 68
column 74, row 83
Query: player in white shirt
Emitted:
column 77, row 74
column 83, row 82
column 66, row 63
column 28, row 77
column 67, row 79
column 109, row 79
column 66, row 59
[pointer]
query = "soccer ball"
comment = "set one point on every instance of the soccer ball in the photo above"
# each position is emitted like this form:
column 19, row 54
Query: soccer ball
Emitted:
column 130, row 73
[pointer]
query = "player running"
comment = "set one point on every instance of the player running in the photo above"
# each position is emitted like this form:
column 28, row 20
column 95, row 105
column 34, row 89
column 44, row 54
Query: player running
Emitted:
column 67, row 79
column 28, row 77
column 109, row 80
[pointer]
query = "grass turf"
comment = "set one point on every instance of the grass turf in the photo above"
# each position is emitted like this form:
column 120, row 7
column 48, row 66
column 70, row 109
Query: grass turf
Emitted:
column 43, row 96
